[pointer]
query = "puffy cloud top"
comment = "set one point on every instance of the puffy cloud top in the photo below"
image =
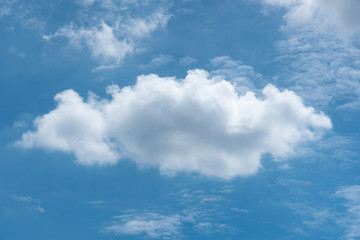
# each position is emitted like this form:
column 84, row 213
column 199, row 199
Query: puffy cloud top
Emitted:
column 198, row 124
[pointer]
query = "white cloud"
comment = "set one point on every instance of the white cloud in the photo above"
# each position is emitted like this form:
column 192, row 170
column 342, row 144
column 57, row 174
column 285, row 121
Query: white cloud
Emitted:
column 197, row 213
column 159, row 61
column 105, row 68
column 209, row 228
column 110, row 4
column 97, row 204
column 327, row 216
column 187, row 60
column 351, row 219
column 240, row 210
column 16, row 52
column 314, row 216
column 101, row 41
column 29, row 203
column 5, row 8
column 68, row 129
column 85, row 3
column 319, row 53
column 198, row 124
column 319, row 67
column 342, row 15
column 142, row 27
column 243, row 76
column 112, row 40
column 24, row 13
column 152, row 225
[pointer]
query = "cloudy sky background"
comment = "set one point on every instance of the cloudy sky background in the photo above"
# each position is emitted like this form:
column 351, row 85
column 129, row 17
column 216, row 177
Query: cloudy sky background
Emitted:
column 190, row 119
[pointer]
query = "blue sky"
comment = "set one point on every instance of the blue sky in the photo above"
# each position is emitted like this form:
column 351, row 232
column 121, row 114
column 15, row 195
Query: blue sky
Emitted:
column 189, row 119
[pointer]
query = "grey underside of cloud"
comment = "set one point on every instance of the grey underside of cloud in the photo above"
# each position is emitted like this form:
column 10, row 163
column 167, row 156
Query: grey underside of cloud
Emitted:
column 197, row 124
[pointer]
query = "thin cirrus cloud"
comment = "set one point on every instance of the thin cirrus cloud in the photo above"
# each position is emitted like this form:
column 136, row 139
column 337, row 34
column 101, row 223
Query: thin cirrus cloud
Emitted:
column 198, row 124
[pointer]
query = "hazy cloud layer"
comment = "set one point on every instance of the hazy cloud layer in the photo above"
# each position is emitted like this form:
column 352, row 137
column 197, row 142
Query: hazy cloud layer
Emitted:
column 198, row 124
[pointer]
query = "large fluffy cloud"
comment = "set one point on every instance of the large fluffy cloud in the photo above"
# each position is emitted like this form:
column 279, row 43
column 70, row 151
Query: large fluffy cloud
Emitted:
column 198, row 124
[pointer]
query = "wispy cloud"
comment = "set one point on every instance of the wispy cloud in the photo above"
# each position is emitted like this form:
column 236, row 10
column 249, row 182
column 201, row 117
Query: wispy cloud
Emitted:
column 112, row 34
column 101, row 41
column 138, row 28
column 97, row 204
column 240, row 210
column 313, row 217
column 29, row 203
column 198, row 197
column 198, row 213
column 24, row 13
column 6, row 7
column 16, row 52
column 328, row 215
column 321, row 14
column 150, row 224
column 244, row 77
column 351, row 219
column 159, row 61
column 187, row 61
column 209, row 228
column 320, row 67
column 319, row 52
